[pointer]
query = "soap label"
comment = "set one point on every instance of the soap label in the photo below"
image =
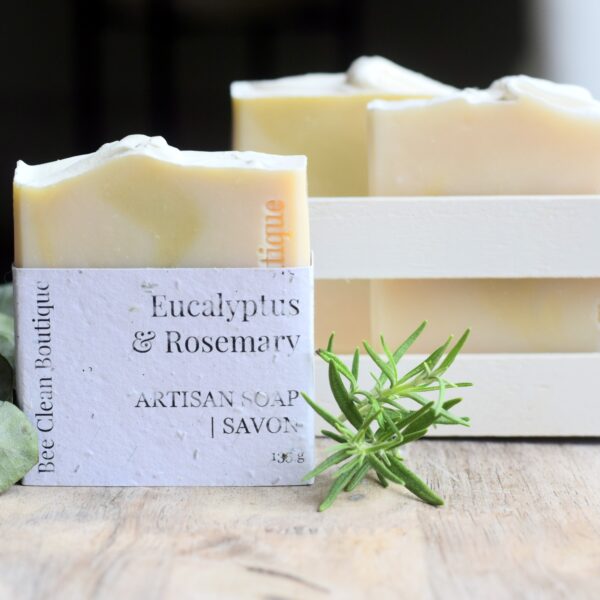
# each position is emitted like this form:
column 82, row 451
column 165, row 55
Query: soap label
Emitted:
column 167, row 376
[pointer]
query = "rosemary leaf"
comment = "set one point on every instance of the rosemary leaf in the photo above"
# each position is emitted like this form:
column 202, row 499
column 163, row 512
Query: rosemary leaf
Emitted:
column 342, row 397
column 383, row 470
column 332, row 460
column 382, row 480
column 391, row 362
column 358, row 477
column 385, row 368
column 451, row 403
column 451, row 356
column 414, row 416
column 324, row 414
column 355, row 363
column 414, row 435
column 338, row 485
column 336, row 437
column 343, row 369
column 427, row 419
column 330, row 342
column 349, row 466
column 429, row 363
column 408, row 342
column 414, row 484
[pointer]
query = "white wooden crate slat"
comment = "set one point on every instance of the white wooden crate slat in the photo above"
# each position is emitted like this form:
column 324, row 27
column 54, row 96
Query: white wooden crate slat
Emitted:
column 515, row 394
column 512, row 236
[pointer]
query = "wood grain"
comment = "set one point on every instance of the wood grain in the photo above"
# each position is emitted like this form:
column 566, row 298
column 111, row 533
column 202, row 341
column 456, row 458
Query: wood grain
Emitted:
column 522, row 520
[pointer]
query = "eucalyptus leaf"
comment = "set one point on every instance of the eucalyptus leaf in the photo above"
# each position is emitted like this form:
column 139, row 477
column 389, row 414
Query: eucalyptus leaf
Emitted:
column 7, row 338
column 18, row 445
column 6, row 299
column 6, row 381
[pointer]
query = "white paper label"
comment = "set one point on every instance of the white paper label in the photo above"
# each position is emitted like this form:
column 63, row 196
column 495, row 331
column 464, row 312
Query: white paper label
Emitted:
column 167, row 376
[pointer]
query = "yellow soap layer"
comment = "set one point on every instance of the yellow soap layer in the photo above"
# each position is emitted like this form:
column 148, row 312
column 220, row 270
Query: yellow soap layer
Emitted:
column 342, row 306
column 512, row 315
column 330, row 130
column 532, row 142
column 505, row 315
column 137, row 211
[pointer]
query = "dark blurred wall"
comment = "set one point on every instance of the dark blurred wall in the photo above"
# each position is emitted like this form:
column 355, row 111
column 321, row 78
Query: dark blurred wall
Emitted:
column 74, row 74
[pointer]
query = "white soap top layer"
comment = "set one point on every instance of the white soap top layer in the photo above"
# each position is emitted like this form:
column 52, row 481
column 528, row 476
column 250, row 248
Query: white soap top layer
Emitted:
column 154, row 147
column 572, row 99
column 368, row 74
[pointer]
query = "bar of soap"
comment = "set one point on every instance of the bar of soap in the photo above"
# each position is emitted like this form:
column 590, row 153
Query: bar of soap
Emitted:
column 139, row 202
column 324, row 117
column 343, row 307
column 521, row 136
column 510, row 315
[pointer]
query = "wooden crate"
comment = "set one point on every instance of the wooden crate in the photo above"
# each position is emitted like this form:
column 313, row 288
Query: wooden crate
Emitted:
column 545, row 394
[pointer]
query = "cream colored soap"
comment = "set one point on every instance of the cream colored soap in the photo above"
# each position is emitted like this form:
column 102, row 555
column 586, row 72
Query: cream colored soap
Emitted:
column 521, row 136
column 513, row 315
column 139, row 202
column 323, row 116
column 343, row 308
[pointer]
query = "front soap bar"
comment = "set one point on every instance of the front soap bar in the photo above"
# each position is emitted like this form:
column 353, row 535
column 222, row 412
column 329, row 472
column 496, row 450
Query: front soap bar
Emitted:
column 522, row 136
column 323, row 116
column 139, row 202
column 505, row 315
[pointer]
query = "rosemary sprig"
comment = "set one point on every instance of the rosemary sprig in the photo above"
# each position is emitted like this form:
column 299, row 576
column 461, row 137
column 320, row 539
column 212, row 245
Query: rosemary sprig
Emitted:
column 375, row 423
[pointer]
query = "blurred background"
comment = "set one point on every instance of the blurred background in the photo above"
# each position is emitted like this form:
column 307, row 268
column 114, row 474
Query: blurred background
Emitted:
column 77, row 73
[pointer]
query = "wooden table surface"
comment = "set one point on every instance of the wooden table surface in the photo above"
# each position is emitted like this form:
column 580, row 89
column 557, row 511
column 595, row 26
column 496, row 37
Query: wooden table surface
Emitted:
column 522, row 520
